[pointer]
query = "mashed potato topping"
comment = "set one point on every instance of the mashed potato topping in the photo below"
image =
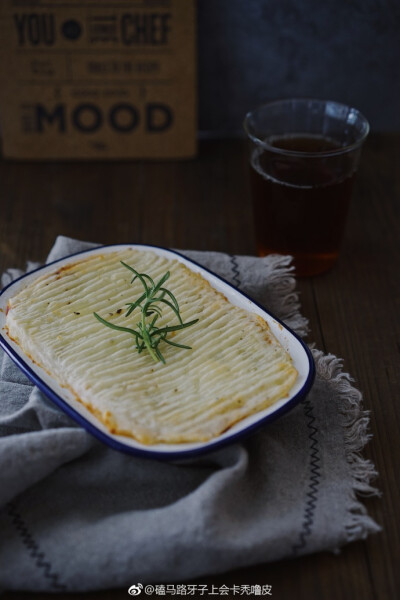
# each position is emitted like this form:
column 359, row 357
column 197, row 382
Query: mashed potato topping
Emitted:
column 235, row 368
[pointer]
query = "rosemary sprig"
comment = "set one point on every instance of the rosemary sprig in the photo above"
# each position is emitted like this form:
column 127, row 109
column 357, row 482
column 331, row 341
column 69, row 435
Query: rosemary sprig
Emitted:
column 147, row 334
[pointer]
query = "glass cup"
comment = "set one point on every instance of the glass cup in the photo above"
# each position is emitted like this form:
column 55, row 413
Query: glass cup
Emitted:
column 303, row 157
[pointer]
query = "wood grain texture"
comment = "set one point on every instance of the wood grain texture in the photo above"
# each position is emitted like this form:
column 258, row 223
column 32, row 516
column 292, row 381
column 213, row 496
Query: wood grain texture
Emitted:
column 353, row 310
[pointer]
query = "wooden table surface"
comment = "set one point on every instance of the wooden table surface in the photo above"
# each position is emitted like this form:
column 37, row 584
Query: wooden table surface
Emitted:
column 354, row 310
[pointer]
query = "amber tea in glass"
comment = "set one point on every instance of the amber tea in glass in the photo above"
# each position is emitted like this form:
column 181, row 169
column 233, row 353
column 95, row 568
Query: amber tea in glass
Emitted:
column 303, row 158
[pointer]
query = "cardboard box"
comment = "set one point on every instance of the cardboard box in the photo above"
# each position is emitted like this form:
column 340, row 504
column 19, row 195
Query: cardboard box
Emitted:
column 98, row 79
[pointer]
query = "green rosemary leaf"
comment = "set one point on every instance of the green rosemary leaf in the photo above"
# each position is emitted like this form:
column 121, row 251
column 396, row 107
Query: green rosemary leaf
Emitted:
column 147, row 341
column 177, row 327
column 151, row 326
column 172, row 307
column 148, row 278
column 140, row 346
column 134, row 305
column 161, row 282
column 170, row 294
column 160, row 356
column 167, row 341
column 116, row 327
column 149, row 310
column 137, row 274
column 148, row 336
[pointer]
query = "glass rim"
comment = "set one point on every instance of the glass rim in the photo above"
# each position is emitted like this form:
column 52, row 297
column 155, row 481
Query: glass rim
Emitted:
column 298, row 153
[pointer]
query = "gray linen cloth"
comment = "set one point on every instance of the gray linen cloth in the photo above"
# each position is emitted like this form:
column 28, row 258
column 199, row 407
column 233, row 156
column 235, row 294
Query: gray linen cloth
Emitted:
column 76, row 515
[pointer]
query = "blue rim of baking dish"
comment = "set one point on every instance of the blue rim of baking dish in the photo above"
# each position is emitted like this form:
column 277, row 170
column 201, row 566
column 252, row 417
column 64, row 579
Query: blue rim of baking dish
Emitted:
column 149, row 453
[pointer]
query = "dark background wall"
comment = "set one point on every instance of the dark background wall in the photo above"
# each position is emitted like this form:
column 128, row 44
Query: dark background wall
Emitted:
column 253, row 51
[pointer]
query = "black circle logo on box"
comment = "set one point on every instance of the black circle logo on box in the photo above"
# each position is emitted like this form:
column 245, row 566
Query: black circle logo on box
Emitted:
column 71, row 29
